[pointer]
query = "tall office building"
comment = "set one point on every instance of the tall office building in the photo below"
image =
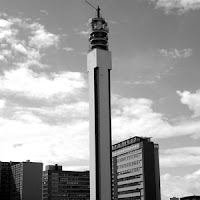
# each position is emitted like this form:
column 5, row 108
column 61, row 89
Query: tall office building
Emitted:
column 136, row 174
column 65, row 185
column 20, row 180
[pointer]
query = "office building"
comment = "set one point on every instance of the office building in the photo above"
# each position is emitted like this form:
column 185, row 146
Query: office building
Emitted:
column 190, row 198
column 20, row 180
column 65, row 185
column 136, row 174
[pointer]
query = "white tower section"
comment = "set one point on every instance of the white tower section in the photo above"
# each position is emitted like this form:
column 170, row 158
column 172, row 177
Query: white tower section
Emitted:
column 99, row 66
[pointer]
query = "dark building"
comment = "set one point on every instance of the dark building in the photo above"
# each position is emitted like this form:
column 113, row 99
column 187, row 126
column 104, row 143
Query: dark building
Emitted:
column 65, row 185
column 20, row 180
column 136, row 173
column 6, row 180
column 190, row 198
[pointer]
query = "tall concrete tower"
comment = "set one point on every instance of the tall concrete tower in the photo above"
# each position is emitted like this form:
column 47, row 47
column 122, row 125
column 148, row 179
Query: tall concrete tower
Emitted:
column 99, row 66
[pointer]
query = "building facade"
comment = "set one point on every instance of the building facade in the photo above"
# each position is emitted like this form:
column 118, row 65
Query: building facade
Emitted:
column 21, row 180
column 65, row 185
column 190, row 198
column 136, row 173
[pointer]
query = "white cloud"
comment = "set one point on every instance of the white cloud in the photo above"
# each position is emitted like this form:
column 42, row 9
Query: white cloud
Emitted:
column 4, row 23
column 140, row 82
column 192, row 100
column 175, row 53
column 180, row 186
column 112, row 22
column 180, row 157
column 180, row 6
column 2, row 57
column 75, row 110
column 26, row 41
column 20, row 48
column 23, row 81
column 45, row 12
column 68, row 49
column 43, row 142
column 41, row 38
column 84, row 33
column 136, row 117
column 2, row 103
column 6, row 34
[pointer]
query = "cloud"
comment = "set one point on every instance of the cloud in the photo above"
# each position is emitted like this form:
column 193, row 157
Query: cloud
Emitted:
column 192, row 100
column 2, row 103
column 84, row 33
column 178, row 6
column 20, row 48
column 68, row 49
column 25, row 40
column 175, row 53
column 140, row 82
column 180, row 157
column 25, row 82
column 54, row 114
column 112, row 22
column 179, row 186
column 52, row 134
column 5, row 54
column 41, row 38
column 43, row 142
column 132, row 117
column 4, row 23
column 45, row 12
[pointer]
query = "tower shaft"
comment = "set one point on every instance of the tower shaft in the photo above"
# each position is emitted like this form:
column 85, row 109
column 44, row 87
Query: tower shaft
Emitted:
column 99, row 66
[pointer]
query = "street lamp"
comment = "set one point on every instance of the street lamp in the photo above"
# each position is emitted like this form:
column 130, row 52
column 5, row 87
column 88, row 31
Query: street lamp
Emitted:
column 139, row 190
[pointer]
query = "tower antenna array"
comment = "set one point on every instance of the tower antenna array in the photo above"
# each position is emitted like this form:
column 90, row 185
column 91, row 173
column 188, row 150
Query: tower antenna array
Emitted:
column 97, row 9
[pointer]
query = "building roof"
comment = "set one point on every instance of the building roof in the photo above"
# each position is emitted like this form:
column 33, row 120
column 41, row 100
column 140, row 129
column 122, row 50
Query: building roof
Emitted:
column 130, row 141
column 194, row 197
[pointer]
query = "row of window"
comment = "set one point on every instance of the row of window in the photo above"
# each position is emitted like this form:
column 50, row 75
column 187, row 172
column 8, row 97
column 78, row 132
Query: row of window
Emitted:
column 130, row 198
column 66, row 179
column 130, row 152
column 126, row 142
column 129, row 184
column 129, row 171
column 129, row 164
column 67, row 199
column 125, row 149
column 65, row 183
column 68, row 174
column 129, row 191
column 135, row 155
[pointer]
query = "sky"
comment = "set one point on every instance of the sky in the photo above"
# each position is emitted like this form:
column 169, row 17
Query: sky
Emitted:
column 155, row 82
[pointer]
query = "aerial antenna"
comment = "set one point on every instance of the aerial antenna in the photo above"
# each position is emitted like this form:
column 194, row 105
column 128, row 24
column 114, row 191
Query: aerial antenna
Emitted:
column 97, row 9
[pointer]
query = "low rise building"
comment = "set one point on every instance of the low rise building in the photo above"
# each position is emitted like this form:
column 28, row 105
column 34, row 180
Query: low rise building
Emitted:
column 65, row 185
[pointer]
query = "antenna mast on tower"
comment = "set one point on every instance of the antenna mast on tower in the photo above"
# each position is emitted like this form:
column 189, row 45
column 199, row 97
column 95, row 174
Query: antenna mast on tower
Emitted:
column 97, row 9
